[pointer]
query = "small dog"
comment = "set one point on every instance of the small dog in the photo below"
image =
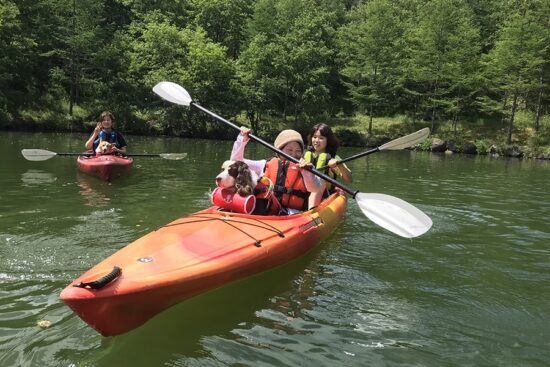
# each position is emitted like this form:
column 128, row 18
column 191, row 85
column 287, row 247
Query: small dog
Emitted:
column 104, row 148
column 238, row 177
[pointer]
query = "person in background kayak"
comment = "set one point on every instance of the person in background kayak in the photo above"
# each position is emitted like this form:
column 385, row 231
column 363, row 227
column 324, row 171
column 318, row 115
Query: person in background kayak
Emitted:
column 291, row 183
column 323, row 145
column 104, row 131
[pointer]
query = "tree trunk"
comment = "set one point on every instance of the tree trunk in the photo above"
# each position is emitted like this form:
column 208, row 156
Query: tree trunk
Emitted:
column 434, row 106
column 371, row 105
column 371, row 108
column 455, row 122
column 537, row 114
column 511, row 122
column 285, row 101
column 457, row 112
column 72, row 92
column 504, row 101
column 251, row 115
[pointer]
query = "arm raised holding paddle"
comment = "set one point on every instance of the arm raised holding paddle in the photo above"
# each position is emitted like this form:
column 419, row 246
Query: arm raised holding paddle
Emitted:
column 95, row 134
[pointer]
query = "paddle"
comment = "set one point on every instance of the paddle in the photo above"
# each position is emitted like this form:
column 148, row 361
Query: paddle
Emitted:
column 43, row 155
column 389, row 212
column 397, row 144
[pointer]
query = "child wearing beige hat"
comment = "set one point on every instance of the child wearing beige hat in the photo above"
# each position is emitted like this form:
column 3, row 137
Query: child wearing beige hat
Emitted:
column 292, row 183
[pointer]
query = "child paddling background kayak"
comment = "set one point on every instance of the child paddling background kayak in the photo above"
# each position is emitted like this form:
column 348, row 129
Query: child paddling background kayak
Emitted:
column 105, row 131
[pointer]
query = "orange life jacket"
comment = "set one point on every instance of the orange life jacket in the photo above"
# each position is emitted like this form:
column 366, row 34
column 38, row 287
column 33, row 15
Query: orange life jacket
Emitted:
column 289, row 187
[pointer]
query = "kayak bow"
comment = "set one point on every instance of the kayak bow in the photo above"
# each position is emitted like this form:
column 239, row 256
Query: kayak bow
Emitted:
column 192, row 255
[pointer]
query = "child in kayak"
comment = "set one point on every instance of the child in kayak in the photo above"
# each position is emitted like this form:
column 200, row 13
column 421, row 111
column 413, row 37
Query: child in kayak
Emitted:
column 323, row 145
column 291, row 183
column 104, row 131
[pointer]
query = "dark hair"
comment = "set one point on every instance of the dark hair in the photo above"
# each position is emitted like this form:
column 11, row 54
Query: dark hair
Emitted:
column 106, row 113
column 326, row 131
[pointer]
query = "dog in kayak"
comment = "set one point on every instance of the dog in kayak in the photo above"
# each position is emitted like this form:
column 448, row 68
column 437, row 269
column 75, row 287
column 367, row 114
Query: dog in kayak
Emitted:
column 237, row 177
column 104, row 147
column 241, row 190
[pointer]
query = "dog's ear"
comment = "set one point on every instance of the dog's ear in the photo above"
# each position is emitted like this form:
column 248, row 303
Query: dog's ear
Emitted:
column 243, row 181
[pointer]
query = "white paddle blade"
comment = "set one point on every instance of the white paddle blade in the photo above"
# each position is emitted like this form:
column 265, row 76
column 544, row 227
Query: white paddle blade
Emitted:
column 173, row 92
column 394, row 214
column 37, row 154
column 407, row 141
column 173, row 156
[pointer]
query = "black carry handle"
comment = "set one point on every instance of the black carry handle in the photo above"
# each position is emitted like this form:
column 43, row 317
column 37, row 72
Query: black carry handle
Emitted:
column 102, row 282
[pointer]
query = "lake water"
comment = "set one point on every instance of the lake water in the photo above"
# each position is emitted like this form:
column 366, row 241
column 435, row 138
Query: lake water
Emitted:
column 473, row 291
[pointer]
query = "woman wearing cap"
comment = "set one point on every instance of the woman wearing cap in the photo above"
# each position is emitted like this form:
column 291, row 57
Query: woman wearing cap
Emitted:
column 290, row 182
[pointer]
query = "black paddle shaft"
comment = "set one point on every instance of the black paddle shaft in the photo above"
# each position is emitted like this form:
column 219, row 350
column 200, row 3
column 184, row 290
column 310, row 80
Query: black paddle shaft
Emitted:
column 350, row 158
column 278, row 151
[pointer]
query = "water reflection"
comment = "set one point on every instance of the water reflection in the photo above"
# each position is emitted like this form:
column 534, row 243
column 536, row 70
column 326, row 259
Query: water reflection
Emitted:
column 93, row 197
column 37, row 177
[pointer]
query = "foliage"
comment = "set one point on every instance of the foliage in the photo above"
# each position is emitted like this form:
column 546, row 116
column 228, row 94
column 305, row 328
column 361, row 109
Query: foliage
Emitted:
column 514, row 67
column 482, row 146
column 443, row 48
column 370, row 50
column 279, row 63
column 426, row 145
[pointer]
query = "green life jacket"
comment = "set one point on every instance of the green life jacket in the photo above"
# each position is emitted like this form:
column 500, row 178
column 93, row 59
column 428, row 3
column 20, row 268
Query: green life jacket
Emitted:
column 320, row 161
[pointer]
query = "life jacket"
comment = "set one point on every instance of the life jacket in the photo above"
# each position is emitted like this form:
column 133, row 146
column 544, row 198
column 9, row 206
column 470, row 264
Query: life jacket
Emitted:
column 289, row 187
column 112, row 137
column 320, row 161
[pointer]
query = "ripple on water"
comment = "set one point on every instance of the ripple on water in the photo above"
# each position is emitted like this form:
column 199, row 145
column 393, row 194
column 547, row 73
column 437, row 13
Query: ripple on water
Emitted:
column 470, row 292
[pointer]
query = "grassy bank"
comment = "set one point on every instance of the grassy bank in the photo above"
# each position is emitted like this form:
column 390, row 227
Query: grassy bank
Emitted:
column 352, row 131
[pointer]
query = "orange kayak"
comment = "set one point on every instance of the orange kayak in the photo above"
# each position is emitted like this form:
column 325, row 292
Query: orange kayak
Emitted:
column 105, row 167
column 192, row 255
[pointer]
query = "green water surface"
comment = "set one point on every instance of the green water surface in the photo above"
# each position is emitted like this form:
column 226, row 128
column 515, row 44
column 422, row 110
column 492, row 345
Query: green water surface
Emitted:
column 474, row 291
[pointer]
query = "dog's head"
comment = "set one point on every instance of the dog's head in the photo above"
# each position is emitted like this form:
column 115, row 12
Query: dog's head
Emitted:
column 104, row 148
column 238, row 177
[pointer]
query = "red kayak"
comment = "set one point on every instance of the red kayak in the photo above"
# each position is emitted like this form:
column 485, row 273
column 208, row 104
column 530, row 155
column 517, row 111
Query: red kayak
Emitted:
column 105, row 167
column 190, row 256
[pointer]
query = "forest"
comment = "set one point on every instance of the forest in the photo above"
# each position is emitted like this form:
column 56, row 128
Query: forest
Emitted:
column 469, row 69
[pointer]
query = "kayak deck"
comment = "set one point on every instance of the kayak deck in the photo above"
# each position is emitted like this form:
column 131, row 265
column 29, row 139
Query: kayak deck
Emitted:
column 192, row 255
column 105, row 167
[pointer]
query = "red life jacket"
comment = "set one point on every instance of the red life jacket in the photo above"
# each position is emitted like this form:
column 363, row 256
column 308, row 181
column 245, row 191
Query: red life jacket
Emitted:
column 289, row 187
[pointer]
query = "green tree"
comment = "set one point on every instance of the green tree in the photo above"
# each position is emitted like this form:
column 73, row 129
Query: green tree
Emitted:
column 515, row 66
column 293, row 50
column 370, row 48
column 443, row 48
column 13, row 44
column 258, row 84
column 224, row 21
column 159, row 50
